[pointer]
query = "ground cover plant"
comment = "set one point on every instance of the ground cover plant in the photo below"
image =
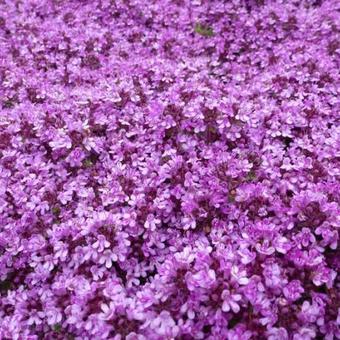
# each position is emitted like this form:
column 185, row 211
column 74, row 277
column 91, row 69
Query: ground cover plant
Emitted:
column 169, row 169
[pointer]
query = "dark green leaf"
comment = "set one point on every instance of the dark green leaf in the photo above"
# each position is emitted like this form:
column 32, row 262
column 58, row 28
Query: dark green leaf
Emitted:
column 203, row 30
column 57, row 327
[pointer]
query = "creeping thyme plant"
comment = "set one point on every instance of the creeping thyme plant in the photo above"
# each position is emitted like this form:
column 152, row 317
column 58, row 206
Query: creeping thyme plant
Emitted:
column 169, row 169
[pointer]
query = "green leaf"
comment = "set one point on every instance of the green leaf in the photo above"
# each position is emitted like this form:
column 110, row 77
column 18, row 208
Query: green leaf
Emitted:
column 56, row 210
column 251, row 176
column 8, row 104
column 87, row 163
column 5, row 285
column 232, row 196
column 203, row 30
column 57, row 327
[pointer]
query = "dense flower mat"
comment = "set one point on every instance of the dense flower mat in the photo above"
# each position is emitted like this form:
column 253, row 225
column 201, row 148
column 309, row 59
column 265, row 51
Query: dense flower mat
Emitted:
column 169, row 169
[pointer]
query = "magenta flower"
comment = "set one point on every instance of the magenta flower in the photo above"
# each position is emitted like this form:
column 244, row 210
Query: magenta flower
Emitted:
column 107, row 258
column 108, row 311
column 240, row 276
column 293, row 290
column 164, row 325
column 169, row 170
column 101, row 244
column 230, row 301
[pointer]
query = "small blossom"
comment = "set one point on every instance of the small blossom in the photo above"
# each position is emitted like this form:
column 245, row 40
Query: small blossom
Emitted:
column 230, row 301
column 108, row 311
column 277, row 333
column 151, row 222
column 293, row 290
column 323, row 275
column 169, row 171
column 164, row 325
column 101, row 244
column 108, row 257
column 240, row 276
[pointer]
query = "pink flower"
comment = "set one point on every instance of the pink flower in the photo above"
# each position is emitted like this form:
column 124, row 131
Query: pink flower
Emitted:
column 61, row 140
column 293, row 290
column 101, row 244
column 323, row 275
column 277, row 334
column 61, row 251
column 76, row 157
column 246, row 256
column 164, row 325
column 107, row 257
column 53, row 316
column 35, row 318
column 151, row 222
column 265, row 248
column 202, row 279
column 108, row 311
column 230, row 301
column 240, row 276
column 281, row 244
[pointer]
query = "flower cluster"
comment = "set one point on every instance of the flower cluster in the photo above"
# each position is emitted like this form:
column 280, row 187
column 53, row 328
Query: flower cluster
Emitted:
column 169, row 169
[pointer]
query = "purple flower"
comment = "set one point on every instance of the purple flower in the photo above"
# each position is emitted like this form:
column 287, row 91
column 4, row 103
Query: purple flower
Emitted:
column 164, row 325
column 202, row 279
column 76, row 157
column 61, row 140
column 324, row 275
column 151, row 222
column 108, row 311
column 101, row 244
column 230, row 301
column 240, row 276
column 54, row 316
column 169, row 171
column 275, row 333
column 304, row 333
column 293, row 290
column 107, row 258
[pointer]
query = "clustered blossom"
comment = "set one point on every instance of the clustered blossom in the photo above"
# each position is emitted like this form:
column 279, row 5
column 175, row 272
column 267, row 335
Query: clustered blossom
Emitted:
column 169, row 169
